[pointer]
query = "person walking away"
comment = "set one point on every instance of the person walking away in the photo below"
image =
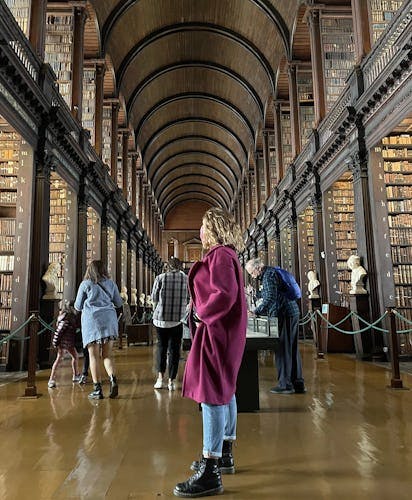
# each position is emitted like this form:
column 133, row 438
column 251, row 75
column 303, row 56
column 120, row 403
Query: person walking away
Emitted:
column 218, row 321
column 64, row 339
column 275, row 304
column 170, row 297
column 97, row 298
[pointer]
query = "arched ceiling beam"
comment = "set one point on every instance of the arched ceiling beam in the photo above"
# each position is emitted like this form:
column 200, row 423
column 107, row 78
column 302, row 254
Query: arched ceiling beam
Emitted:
column 264, row 5
column 189, row 120
column 196, row 189
column 195, row 95
column 201, row 180
column 161, row 186
column 195, row 138
column 195, row 64
column 198, row 27
column 184, row 197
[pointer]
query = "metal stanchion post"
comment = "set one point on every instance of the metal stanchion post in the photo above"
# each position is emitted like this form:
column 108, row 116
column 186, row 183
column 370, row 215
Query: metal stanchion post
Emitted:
column 396, row 381
column 31, row 390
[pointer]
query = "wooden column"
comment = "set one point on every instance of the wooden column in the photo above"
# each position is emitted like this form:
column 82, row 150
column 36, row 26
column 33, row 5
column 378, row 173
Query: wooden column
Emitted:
column 257, row 182
column 125, row 162
column 361, row 27
column 139, row 187
column 317, row 65
column 250, row 195
column 134, row 184
column 104, row 233
column 265, row 249
column 113, row 160
column 278, row 252
column 98, row 117
column 294, row 109
column 319, row 241
column 79, row 21
column 244, row 208
column 81, row 231
column 278, row 142
column 118, row 264
column 129, row 284
column 266, row 162
column 38, row 12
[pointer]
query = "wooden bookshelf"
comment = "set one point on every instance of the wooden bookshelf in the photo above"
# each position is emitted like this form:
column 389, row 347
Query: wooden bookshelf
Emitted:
column 59, row 49
column 306, row 105
column 285, row 127
column 306, row 246
column 338, row 50
column 89, row 100
column 58, row 226
column 340, row 237
column 124, row 265
column 111, row 253
column 397, row 165
column 381, row 14
column 93, row 235
column 272, row 254
column 286, row 248
column 119, row 164
column 21, row 12
column 107, row 136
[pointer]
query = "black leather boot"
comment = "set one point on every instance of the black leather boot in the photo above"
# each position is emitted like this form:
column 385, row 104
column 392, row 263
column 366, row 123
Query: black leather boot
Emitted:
column 97, row 393
column 226, row 463
column 206, row 481
column 114, row 388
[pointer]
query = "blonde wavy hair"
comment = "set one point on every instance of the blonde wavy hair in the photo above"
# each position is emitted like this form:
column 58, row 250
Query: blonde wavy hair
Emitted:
column 220, row 228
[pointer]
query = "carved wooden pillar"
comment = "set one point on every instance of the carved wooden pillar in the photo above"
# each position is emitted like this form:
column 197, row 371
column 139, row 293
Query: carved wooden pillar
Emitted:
column 79, row 22
column 278, row 253
column 134, row 184
column 98, row 117
column 113, row 160
column 265, row 249
column 294, row 109
column 361, row 27
column 319, row 239
column 266, row 162
column 250, row 196
column 104, row 234
column 81, row 230
column 119, row 256
column 38, row 11
column 257, row 182
column 125, row 162
column 244, row 207
column 317, row 65
column 278, row 142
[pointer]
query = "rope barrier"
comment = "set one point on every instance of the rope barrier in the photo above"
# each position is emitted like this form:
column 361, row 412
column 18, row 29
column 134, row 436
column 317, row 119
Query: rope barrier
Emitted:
column 18, row 329
column 370, row 325
column 309, row 317
column 401, row 317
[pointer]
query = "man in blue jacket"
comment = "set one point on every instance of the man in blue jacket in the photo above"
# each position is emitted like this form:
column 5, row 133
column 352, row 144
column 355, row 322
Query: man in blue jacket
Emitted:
column 275, row 304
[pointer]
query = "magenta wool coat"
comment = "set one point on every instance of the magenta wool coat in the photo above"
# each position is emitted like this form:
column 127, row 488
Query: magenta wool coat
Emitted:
column 216, row 288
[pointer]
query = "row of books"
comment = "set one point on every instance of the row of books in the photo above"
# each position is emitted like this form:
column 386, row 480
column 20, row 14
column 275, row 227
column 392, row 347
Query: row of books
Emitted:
column 8, row 197
column 401, row 254
column 5, row 298
column 403, row 274
column 404, row 297
column 400, row 237
column 7, row 226
column 400, row 220
column 5, row 319
column 399, row 191
column 400, row 152
column 6, row 243
column 6, row 262
column 6, row 282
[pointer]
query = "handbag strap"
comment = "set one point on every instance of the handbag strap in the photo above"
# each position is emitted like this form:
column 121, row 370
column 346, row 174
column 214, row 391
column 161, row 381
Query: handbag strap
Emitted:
column 104, row 290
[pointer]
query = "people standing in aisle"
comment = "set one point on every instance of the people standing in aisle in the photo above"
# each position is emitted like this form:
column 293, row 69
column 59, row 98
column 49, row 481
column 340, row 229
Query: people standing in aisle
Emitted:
column 170, row 298
column 64, row 339
column 97, row 298
column 275, row 304
column 218, row 320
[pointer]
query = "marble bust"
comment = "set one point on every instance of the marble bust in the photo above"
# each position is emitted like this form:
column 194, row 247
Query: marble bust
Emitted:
column 313, row 285
column 51, row 280
column 133, row 297
column 142, row 299
column 123, row 294
column 357, row 276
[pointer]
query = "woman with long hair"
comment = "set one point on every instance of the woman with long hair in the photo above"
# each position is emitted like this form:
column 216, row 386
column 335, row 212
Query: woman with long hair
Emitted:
column 218, row 322
column 97, row 298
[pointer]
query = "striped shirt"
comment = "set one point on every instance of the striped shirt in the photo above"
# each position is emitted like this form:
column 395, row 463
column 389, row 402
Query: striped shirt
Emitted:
column 170, row 293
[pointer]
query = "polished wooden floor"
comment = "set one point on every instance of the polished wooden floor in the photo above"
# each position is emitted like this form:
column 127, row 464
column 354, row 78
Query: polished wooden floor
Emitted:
column 349, row 437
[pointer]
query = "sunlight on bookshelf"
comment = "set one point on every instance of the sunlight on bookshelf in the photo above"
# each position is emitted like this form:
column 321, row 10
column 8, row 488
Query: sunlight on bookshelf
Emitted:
column 340, row 236
column 21, row 12
column 59, row 49
column 306, row 105
column 382, row 12
column 306, row 243
column 286, row 248
column 285, row 128
column 272, row 253
column 272, row 161
column 397, row 164
column 107, row 136
column 338, row 54
column 89, row 101
column 58, row 225
column 93, row 235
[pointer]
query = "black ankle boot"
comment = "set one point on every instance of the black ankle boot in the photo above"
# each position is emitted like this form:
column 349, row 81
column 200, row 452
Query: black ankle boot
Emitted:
column 206, row 481
column 114, row 388
column 226, row 463
column 97, row 393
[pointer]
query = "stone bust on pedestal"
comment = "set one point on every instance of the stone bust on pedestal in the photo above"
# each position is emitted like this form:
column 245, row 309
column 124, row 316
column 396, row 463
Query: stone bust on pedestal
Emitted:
column 313, row 285
column 51, row 280
column 358, row 276
column 123, row 294
column 133, row 297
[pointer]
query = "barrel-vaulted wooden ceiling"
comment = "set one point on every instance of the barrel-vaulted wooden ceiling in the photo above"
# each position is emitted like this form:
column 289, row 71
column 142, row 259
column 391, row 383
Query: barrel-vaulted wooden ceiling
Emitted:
column 196, row 76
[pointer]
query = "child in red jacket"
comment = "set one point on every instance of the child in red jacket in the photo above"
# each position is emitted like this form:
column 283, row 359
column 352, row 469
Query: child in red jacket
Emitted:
column 64, row 339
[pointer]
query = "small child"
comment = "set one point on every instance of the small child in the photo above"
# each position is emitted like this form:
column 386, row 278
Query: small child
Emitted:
column 64, row 340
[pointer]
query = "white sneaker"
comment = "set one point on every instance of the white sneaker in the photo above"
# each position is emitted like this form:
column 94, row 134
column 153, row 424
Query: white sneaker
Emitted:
column 159, row 384
column 51, row 384
column 76, row 379
column 171, row 386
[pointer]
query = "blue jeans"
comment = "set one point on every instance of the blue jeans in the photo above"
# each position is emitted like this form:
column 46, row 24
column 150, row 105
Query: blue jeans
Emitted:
column 219, row 424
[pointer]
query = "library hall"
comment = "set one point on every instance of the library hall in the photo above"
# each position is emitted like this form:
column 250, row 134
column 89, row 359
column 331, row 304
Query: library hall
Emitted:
column 206, row 249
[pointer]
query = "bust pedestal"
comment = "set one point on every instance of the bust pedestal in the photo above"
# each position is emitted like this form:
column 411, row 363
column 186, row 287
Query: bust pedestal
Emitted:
column 315, row 324
column 49, row 310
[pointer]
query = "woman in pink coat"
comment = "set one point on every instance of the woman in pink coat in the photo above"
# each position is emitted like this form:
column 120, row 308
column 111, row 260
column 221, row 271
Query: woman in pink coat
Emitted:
column 218, row 323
